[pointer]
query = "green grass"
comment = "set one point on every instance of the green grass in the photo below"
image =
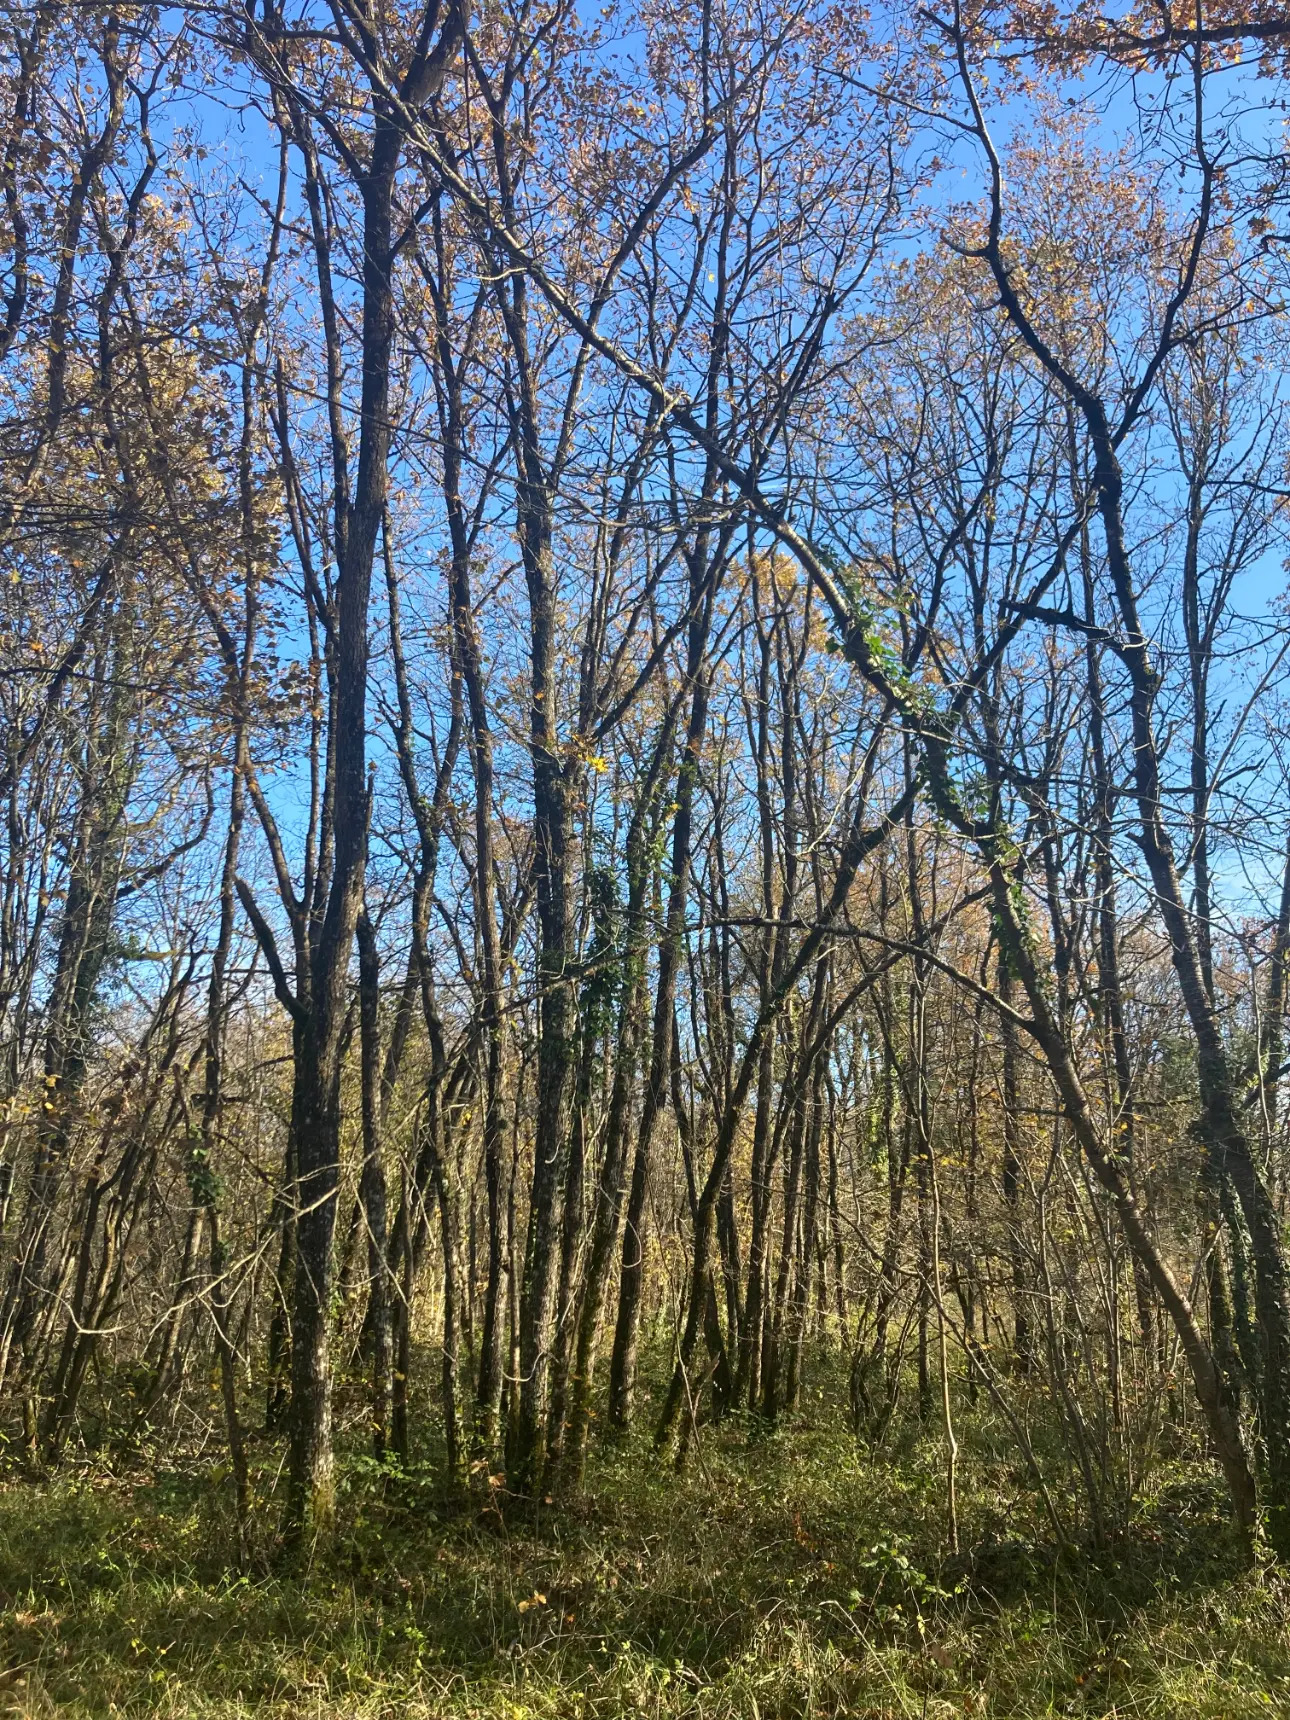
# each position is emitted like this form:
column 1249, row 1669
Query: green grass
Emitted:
column 782, row 1575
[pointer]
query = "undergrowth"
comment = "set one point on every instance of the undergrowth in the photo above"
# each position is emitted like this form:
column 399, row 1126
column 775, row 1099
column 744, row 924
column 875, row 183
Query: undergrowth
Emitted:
column 783, row 1574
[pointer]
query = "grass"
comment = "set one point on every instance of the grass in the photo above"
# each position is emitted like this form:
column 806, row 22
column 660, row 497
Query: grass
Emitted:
column 782, row 1575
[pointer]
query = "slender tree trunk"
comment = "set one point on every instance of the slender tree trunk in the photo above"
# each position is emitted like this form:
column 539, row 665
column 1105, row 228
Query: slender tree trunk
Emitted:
column 372, row 1191
column 631, row 1282
column 1022, row 1352
column 310, row 1479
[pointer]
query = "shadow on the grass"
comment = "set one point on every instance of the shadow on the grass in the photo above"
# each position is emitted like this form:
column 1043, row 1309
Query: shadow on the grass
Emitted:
column 783, row 1575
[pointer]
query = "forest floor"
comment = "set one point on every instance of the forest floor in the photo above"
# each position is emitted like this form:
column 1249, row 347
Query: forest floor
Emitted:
column 783, row 1574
